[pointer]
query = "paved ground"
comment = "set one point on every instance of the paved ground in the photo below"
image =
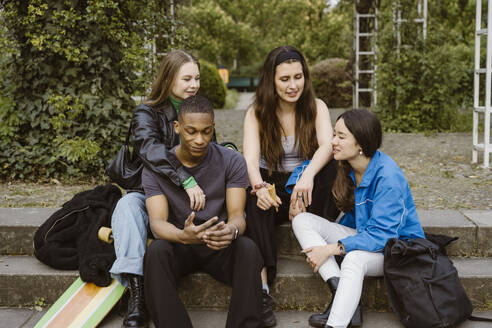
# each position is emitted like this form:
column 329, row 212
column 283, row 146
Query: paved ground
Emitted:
column 26, row 318
column 245, row 100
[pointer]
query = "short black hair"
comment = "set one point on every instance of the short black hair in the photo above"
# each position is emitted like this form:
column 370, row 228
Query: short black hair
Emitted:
column 365, row 127
column 195, row 104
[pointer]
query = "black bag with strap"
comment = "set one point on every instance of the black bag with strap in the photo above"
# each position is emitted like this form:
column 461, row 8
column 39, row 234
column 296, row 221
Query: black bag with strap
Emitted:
column 423, row 285
column 126, row 169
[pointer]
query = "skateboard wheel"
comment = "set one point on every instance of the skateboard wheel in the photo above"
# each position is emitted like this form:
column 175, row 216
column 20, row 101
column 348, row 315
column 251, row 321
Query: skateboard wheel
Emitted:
column 105, row 234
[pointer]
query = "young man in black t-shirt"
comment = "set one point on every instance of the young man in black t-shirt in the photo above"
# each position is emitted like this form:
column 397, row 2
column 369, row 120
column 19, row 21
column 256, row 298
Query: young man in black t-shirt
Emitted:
column 209, row 240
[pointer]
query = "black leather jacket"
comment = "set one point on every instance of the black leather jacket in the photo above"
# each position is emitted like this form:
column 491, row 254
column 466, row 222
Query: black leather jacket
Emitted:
column 153, row 136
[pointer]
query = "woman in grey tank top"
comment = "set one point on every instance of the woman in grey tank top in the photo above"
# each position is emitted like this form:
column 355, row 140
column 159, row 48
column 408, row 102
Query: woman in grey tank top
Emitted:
column 285, row 126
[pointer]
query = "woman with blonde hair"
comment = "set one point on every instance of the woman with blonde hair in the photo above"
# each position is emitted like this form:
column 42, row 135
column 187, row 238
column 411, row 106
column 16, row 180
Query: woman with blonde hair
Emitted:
column 153, row 136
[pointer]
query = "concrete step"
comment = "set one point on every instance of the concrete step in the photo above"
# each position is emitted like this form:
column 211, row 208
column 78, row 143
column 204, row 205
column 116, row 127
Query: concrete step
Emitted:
column 17, row 228
column 23, row 280
column 27, row 318
column 473, row 227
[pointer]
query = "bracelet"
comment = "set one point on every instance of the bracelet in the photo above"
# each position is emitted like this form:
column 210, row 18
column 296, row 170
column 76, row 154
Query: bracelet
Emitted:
column 236, row 231
column 341, row 248
column 258, row 187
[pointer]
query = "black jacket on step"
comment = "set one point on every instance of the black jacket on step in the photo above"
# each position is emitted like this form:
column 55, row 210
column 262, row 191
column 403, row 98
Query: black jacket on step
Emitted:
column 68, row 239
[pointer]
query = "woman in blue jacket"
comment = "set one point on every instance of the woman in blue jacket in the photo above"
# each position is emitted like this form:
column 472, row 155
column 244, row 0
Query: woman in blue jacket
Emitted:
column 373, row 193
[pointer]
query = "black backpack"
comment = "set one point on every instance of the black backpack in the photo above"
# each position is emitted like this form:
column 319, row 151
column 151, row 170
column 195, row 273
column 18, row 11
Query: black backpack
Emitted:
column 423, row 285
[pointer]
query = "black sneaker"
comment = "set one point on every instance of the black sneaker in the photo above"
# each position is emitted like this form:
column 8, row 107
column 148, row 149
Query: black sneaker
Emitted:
column 267, row 315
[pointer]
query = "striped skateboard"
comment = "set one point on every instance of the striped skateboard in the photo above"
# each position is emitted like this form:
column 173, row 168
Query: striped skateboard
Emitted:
column 83, row 304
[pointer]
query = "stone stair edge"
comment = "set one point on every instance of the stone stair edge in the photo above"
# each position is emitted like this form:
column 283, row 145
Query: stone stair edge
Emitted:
column 473, row 227
column 204, row 318
column 286, row 266
column 23, row 280
column 429, row 217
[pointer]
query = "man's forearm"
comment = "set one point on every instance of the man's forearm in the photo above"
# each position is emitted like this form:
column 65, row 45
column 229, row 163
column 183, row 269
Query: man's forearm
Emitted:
column 164, row 230
column 239, row 222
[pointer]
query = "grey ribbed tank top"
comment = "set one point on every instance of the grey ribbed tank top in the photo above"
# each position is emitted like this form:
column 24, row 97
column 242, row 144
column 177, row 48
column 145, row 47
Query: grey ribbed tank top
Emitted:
column 291, row 158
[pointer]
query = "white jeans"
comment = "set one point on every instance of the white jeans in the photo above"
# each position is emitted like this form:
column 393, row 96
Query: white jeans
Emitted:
column 312, row 230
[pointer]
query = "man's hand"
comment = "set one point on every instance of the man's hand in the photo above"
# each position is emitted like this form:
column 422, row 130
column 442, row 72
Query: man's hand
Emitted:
column 197, row 198
column 192, row 234
column 219, row 236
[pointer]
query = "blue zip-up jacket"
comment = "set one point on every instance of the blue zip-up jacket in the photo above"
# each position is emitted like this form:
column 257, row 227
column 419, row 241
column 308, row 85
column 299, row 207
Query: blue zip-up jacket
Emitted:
column 384, row 207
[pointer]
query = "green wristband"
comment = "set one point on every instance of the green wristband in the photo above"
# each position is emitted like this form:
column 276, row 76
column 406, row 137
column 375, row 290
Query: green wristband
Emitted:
column 188, row 183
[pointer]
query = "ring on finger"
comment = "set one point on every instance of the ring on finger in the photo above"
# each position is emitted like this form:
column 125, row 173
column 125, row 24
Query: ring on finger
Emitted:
column 299, row 196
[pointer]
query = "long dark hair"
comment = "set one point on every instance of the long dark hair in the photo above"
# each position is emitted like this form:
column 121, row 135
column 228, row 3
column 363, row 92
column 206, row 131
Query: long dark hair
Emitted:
column 266, row 103
column 170, row 65
column 366, row 129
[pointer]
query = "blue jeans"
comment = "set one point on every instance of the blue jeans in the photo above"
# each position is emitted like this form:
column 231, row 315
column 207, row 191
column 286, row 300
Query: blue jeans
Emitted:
column 129, row 223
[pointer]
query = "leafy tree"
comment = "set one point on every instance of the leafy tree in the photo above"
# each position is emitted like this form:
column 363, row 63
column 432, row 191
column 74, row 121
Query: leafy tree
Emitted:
column 246, row 30
column 220, row 36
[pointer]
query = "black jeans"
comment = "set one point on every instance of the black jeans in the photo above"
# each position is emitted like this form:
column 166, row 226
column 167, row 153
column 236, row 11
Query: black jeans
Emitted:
column 238, row 265
column 260, row 225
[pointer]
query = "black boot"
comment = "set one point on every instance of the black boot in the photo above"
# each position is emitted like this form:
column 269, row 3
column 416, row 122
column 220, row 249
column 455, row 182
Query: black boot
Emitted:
column 135, row 315
column 267, row 315
column 356, row 320
column 319, row 320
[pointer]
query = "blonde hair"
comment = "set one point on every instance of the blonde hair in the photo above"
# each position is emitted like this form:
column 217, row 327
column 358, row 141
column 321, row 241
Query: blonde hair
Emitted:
column 170, row 65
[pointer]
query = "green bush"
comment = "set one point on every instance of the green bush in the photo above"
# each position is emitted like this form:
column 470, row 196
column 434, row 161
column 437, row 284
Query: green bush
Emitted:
column 65, row 100
column 232, row 99
column 331, row 83
column 211, row 84
column 422, row 86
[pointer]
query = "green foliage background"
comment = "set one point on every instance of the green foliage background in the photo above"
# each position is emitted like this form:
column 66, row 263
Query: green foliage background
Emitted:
column 427, row 84
column 68, row 68
column 211, row 84
column 67, row 86
column 246, row 30
column 331, row 82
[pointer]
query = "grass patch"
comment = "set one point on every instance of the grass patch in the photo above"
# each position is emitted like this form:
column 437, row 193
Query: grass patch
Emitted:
column 232, row 97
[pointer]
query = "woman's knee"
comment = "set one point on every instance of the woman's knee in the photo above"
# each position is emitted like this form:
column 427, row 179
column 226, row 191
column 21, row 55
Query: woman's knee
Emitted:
column 129, row 207
column 353, row 261
column 302, row 221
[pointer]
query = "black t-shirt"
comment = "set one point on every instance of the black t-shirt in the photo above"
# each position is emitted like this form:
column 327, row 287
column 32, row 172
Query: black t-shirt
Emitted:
column 222, row 168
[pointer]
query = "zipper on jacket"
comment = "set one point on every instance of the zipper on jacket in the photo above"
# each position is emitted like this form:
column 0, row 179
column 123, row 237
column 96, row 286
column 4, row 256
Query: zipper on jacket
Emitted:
column 69, row 213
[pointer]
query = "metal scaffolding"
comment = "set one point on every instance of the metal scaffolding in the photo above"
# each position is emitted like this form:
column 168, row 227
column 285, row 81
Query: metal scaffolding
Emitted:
column 398, row 20
column 368, row 55
column 486, row 110
column 365, row 45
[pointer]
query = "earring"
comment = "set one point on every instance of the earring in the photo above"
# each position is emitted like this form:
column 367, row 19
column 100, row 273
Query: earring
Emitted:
column 360, row 152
